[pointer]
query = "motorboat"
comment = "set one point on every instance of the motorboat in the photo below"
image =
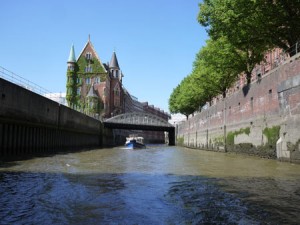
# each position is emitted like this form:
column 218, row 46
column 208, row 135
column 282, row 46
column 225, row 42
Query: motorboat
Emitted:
column 134, row 142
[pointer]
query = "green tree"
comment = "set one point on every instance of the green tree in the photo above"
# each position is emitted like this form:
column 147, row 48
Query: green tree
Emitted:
column 186, row 98
column 217, row 66
column 173, row 100
column 240, row 22
column 279, row 22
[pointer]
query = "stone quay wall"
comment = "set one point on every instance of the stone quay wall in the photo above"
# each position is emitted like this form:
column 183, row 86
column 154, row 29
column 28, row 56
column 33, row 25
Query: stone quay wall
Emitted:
column 32, row 124
column 263, row 119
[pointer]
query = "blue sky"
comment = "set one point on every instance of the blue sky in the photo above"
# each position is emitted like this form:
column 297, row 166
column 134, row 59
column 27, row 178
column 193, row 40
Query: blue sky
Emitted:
column 155, row 41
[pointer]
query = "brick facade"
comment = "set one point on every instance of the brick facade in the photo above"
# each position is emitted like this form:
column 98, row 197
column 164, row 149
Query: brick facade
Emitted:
column 249, row 119
column 88, row 72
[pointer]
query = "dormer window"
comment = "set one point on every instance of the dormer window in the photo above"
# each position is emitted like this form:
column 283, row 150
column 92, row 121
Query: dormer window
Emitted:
column 88, row 56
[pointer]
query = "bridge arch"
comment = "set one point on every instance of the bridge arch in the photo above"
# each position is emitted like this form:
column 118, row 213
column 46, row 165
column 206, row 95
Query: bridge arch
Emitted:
column 139, row 118
column 141, row 121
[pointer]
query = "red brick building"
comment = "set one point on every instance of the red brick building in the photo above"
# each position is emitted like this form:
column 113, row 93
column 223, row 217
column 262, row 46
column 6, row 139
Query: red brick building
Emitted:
column 96, row 88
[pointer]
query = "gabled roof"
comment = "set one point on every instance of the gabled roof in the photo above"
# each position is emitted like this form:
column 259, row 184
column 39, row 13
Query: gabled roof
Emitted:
column 114, row 62
column 72, row 57
column 92, row 93
column 89, row 43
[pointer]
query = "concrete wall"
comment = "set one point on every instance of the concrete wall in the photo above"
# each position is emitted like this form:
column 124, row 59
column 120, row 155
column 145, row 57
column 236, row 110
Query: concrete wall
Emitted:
column 30, row 124
column 263, row 119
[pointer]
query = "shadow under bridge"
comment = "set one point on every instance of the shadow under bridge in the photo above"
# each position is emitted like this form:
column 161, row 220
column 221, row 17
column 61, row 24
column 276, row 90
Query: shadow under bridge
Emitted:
column 141, row 121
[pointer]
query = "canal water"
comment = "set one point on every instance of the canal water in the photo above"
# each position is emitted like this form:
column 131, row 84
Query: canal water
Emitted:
column 157, row 185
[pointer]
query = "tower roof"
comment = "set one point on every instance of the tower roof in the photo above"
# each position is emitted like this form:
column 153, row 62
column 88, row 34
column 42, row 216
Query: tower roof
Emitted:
column 114, row 62
column 72, row 57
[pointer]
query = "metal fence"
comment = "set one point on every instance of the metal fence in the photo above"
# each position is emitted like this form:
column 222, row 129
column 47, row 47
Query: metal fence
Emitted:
column 23, row 82
column 31, row 86
column 294, row 49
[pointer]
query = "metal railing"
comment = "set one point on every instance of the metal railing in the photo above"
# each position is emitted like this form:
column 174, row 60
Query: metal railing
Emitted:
column 31, row 86
column 139, row 118
column 286, row 54
column 23, row 82
column 294, row 49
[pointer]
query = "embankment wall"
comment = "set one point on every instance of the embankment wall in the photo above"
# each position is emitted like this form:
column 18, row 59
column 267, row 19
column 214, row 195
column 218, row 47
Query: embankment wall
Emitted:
column 261, row 119
column 30, row 124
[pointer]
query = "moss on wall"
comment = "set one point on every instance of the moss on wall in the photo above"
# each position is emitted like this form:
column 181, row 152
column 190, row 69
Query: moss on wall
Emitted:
column 231, row 135
column 219, row 140
column 180, row 141
column 272, row 135
column 94, row 63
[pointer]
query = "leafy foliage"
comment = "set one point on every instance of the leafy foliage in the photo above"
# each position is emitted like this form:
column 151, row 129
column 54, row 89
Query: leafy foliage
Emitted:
column 186, row 97
column 241, row 23
column 94, row 63
column 272, row 134
column 241, row 31
column 217, row 66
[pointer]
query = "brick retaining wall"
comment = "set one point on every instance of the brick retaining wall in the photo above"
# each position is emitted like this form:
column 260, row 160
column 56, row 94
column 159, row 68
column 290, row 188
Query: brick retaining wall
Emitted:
column 263, row 120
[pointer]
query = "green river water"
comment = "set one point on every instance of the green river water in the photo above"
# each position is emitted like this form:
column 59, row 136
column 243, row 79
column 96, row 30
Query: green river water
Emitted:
column 157, row 185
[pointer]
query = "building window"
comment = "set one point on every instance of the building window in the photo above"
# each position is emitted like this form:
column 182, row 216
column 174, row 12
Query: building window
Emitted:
column 97, row 80
column 71, row 68
column 117, row 92
column 88, row 69
column 78, row 91
column 88, row 55
column 87, row 80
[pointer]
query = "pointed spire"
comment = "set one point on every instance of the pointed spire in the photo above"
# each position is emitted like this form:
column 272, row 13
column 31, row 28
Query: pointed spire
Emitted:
column 72, row 57
column 89, row 37
column 114, row 62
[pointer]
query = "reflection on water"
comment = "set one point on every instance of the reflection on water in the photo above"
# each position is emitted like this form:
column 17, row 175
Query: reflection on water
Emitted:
column 158, row 185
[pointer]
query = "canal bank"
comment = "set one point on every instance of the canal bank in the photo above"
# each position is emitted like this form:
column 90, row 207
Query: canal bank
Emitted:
column 32, row 124
column 262, row 119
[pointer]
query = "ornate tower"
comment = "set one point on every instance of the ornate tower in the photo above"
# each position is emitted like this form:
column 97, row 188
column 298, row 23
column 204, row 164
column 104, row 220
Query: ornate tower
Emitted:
column 116, row 95
column 71, row 94
column 114, row 68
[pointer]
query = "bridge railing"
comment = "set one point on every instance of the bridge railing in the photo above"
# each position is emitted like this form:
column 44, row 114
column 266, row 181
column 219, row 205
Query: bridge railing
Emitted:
column 139, row 119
